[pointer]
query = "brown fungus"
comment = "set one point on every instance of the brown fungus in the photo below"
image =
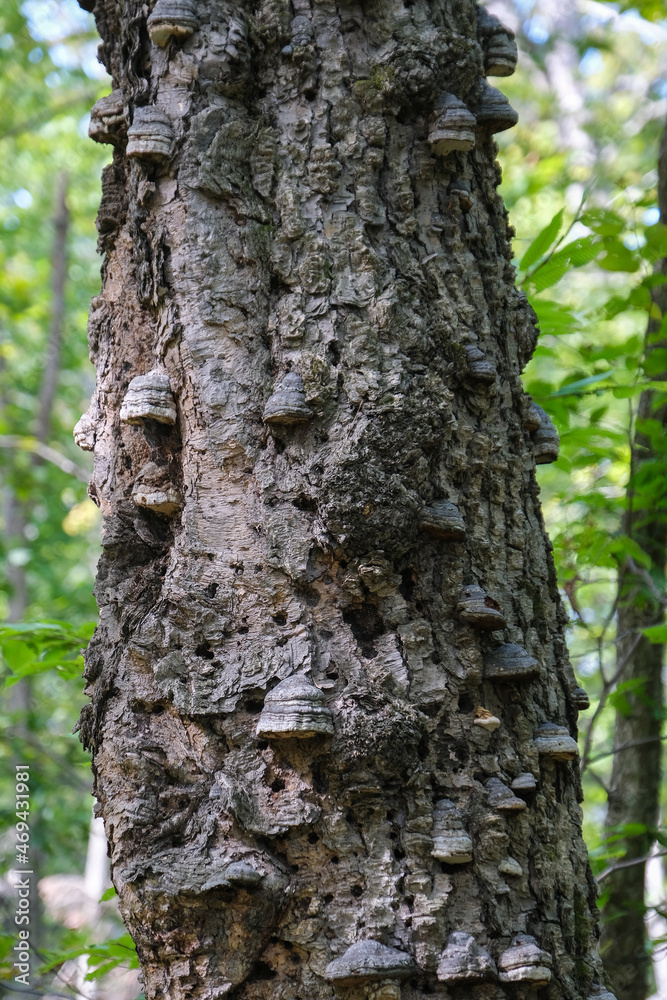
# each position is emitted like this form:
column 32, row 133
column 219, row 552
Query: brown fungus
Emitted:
column 510, row 662
column 480, row 368
column 107, row 118
column 442, row 520
column 498, row 44
column 453, row 126
column 150, row 136
column 525, row 962
column 555, row 741
column 494, row 112
column 464, row 961
column 451, row 843
column 476, row 608
column 287, row 405
column 369, row 960
column 149, row 397
column 295, row 708
column 175, row 19
column 501, row 799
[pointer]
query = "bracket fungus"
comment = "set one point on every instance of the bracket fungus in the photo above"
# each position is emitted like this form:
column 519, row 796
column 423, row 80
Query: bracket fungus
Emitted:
column 476, row 608
column 494, row 112
column 479, row 367
column 510, row 662
column 486, row 720
column 580, row 699
column 295, row 708
column 367, row 961
column 464, row 961
column 451, row 843
column 555, row 741
column 501, row 798
column 532, row 417
column 175, row 19
column 453, row 127
column 237, row 875
column 302, row 31
column 442, row 520
column 460, row 189
column 149, row 397
column 509, row 866
column 153, row 490
column 525, row 962
column 498, row 44
column 84, row 432
column 150, row 136
column 600, row 992
column 524, row 783
column 107, row 118
column 546, row 441
column 287, row 405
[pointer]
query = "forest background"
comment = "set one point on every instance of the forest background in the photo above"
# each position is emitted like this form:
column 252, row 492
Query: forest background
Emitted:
column 580, row 183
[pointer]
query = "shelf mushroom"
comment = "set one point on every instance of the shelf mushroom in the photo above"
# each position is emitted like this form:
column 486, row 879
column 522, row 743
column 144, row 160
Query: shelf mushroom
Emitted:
column 555, row 741
column 524, row 783
column 287, row 405
column 84, row 432
column 525, row 962
column 600, row 992
column 510, row 866
column 453, row 128
column 295, row 709
column 150, row 136
column 498, row 44
column 175, row 19
column 451, row 843
column 476, row 608
column 153, row 491
column 546, row 440
column 442, row 520
column 149, row 397
column 107, row 118
column 464, row 961
column 367, row 962
column 479, row 367
column 501, row 799
column 510, row 662
column 237, row 875
column 580, row 699
column 494, row 112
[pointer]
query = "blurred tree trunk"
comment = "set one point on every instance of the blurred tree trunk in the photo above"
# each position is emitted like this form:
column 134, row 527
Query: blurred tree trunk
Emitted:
column 306, row 220
column 634, row 795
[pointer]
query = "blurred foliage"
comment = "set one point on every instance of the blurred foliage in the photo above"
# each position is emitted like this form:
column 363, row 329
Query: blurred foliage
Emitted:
column 579, row 180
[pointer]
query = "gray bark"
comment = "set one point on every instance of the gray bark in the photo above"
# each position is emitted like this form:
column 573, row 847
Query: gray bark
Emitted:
column 634, row 792
column 302, row 223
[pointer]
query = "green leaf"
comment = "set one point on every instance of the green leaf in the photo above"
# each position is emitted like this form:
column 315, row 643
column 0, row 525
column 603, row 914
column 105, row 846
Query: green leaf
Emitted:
column 548, row 274
column 542, row 241
column 109, row 894
column 573, row 388
column 656, row 634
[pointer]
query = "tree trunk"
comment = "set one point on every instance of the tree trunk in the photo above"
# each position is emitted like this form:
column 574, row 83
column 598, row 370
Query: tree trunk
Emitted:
column 634, row 793
column 319, row 265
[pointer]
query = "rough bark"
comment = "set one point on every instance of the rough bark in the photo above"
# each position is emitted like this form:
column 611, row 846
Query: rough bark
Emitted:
column 634, row 793
column 303, row 224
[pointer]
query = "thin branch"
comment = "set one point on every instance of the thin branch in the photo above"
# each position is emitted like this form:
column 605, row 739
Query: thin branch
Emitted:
column 627, row 746
column 85, row 96
column 46, row 452
column 629, row 864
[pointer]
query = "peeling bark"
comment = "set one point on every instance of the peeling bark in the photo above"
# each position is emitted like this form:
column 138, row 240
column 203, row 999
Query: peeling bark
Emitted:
column 311, row 276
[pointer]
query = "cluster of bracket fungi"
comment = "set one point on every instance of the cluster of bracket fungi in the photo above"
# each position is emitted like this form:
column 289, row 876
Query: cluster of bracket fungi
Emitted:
column 296, row 708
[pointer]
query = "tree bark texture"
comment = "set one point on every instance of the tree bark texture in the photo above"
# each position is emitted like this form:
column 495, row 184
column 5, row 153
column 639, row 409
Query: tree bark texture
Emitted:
column 634, row 794
column 333, row 304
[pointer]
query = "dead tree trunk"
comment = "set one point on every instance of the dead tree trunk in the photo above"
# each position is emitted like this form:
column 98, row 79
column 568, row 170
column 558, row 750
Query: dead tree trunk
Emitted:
column 634, row 794
column 330, row 637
